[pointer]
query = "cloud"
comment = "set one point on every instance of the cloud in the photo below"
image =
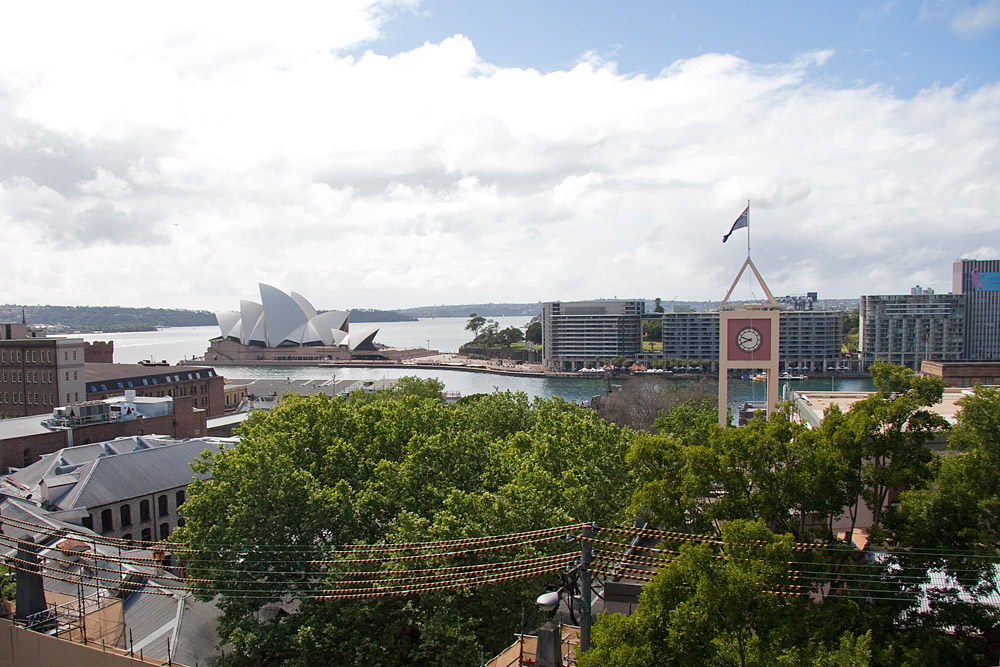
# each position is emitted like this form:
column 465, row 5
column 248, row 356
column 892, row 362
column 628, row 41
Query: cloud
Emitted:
column 287, row 154
column 977, row 19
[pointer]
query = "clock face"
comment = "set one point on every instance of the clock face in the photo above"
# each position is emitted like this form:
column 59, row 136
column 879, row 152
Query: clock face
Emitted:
column 749, row 339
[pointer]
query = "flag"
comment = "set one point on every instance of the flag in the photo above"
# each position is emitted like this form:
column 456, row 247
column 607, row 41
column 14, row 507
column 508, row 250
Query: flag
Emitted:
column 741, row 222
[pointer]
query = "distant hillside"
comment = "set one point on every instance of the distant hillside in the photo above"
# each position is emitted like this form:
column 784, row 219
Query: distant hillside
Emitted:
column 106, row 318
column 483, row 309
column 370, row 315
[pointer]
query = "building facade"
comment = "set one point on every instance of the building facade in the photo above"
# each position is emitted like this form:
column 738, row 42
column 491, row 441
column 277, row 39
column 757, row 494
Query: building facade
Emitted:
column 202, row 383
column 130, row 488
column 906, row 329
column 978, row 283
column 24, row 439
column 577, row 332
column 39, row 374
column 808, row 340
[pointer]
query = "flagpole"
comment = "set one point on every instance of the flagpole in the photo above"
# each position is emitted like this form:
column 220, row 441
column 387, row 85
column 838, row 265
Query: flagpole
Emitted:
column 748, row 229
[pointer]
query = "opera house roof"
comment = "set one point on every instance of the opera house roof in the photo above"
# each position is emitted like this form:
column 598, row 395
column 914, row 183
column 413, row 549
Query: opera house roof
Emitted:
column 282, row 320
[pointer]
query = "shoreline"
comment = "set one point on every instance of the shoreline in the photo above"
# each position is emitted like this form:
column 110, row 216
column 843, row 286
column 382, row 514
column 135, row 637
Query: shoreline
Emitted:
column 475, row 366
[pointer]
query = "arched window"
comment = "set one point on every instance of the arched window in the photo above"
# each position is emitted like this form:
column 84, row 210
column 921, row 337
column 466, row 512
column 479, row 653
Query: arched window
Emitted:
column 162, row 506
column 106, row 524
column 147, row 535
column 164, row 531
column 126, row 515
column 144, row 510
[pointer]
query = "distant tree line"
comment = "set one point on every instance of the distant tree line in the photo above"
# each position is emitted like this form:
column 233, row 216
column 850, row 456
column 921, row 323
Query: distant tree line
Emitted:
column 107, row 318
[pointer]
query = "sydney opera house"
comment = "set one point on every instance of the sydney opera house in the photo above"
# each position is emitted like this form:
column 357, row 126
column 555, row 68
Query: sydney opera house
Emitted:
column 286, row 327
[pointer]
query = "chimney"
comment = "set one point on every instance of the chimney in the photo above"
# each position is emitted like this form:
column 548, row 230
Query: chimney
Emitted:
column 549, row 650
column 30, row 591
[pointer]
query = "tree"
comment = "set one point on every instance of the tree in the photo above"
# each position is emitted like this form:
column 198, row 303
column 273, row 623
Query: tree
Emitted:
column 475, row 323
column 509, row 336
column 533, row 334
column 643, row 399
column 652, row 330
column 892, row 426
column 957, row 519
column 708, row 607
column 400, row 466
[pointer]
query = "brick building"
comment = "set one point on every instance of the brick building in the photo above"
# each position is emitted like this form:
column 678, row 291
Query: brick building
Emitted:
column 24, row 439
column 39, row 374
column 199, row 382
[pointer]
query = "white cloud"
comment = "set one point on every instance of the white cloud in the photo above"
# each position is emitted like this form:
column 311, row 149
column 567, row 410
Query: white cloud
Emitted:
column 979, row 18
column 226, row 154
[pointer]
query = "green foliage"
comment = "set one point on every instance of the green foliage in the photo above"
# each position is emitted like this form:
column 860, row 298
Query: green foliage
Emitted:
column 652, row 330
column 533, row 334
column 401, row 466
column 475, row 323
column 8, row 587
column 708, row 607
column 108, row 318
column 892, row 426
column 414, row 386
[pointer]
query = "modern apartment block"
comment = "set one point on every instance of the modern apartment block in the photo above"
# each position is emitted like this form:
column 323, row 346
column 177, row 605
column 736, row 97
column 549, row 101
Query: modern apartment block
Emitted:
column 809, row 340
column 906, row 329
column 977, row 281
column 39, row 374
column 575, row 332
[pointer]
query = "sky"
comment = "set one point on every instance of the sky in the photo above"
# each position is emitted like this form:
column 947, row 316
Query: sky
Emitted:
column 399, row 153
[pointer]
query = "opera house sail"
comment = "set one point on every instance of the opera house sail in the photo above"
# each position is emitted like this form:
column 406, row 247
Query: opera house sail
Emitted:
column 283, row 326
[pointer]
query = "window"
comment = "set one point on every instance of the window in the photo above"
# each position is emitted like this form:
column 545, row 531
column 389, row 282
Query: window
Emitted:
column 180, row 498
column 88, row 522
column 67, row 376
column 162, row 506
column 144, row 511
column 147, row 535
column 74, row 375
column 74, row 355
column 164, row 531
column 180, row 522
column 65, row 355
column 27, row 457
column 106, row 525
column 76, row 396
column 126, row 515
column 127, row 537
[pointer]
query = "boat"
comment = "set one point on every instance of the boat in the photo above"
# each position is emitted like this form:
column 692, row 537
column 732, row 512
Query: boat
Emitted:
column 760, row 377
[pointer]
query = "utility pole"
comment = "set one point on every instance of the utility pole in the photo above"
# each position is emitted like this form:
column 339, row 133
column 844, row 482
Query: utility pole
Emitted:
column 585, row 593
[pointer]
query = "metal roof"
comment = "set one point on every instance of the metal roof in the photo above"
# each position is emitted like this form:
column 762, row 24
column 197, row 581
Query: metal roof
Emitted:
column 111, row 479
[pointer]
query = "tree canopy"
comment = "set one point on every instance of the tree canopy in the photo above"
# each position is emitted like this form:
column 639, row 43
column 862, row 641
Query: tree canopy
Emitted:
column 400, row 466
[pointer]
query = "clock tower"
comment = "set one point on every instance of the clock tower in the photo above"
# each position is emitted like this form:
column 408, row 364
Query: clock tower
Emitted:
column 748, row 339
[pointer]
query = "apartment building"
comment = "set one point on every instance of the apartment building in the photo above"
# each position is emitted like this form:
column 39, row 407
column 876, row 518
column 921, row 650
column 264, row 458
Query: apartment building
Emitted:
column 907, row 329
column 978, row 283
column 576, row 332
column 808, row 340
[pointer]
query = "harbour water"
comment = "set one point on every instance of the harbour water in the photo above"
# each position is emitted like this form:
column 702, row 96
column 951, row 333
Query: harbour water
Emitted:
column 443, row 334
